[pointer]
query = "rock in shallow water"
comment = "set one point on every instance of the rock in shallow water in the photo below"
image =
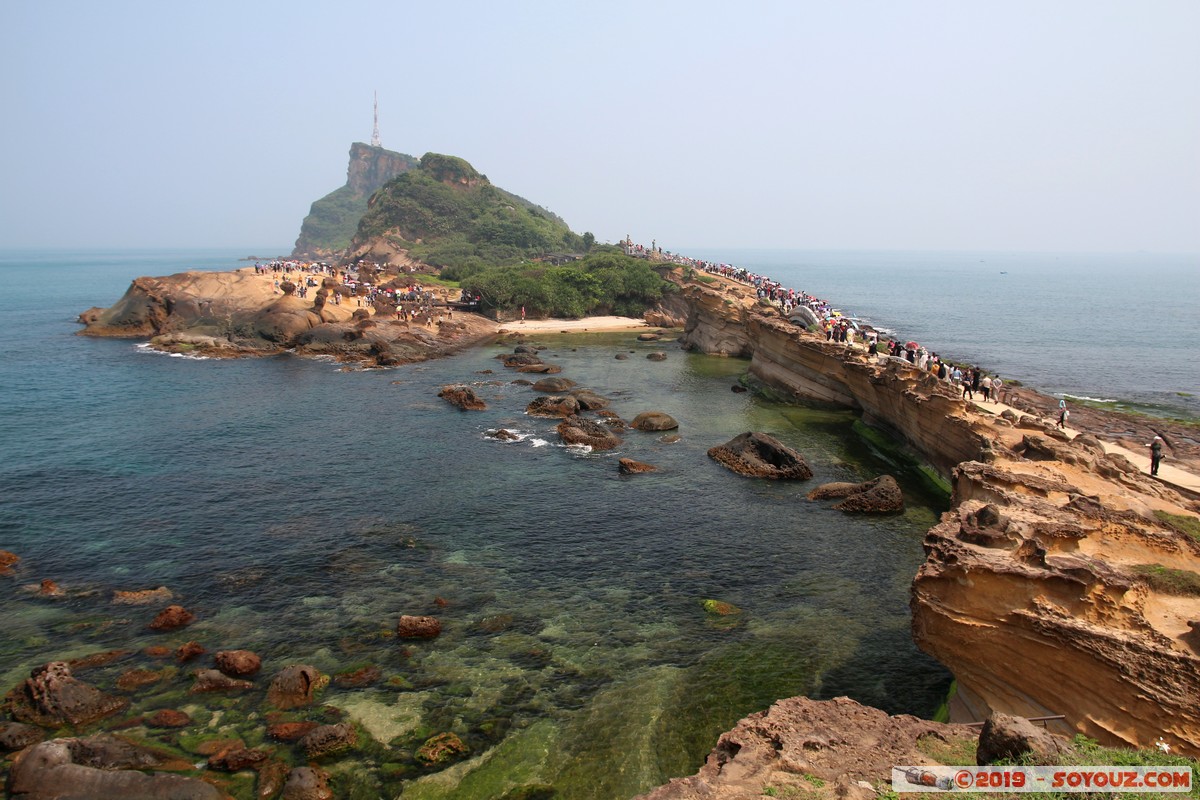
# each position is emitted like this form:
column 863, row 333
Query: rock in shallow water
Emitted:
column 760, row 455
column 51, row 697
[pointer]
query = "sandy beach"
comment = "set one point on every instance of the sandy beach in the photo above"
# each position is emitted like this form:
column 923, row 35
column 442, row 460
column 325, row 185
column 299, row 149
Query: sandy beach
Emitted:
column 585, row 325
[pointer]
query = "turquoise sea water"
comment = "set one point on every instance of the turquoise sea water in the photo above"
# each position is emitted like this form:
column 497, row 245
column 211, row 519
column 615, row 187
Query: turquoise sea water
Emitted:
column 299, row 510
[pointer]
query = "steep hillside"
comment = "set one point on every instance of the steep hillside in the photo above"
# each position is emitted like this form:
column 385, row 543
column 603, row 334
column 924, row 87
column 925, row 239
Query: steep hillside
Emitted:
column 332, row 220
column 446, row 214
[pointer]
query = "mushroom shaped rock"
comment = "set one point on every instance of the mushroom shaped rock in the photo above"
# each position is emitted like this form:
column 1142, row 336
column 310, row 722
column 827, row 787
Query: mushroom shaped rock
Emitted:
column 463, row 397
column 238, row 663
column 552, row 405
column 51, row 697
column 654, row 421
column 285, row 319
column 760, row 455
column 578, row 431
column 553, row 385
column 414, row 627
column 293, row 686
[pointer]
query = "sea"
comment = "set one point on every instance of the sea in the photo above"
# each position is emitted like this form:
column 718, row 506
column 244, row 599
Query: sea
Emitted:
column 298, row 508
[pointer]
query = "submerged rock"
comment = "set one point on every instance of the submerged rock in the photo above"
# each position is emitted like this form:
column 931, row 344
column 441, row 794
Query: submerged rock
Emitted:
column 307, row 783
column 719, row 608
column 440, row 749
column 172, row 618
column 168, row 718
column 188, row 651
column 211, row 680
column 627, row 466
column 503, row 435
column 325, row 740
column 142, row 597
column 51, row 697
column 290, row 731
column 760, row 455
column 658, row 356
column 57, row 769
column 7, row 561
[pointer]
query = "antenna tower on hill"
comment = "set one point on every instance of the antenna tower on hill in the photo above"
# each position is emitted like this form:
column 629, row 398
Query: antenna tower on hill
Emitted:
column 375, row 133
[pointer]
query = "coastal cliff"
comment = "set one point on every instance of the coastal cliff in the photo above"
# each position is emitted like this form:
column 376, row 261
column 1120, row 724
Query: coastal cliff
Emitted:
column 333, row 220
column 1056, row 584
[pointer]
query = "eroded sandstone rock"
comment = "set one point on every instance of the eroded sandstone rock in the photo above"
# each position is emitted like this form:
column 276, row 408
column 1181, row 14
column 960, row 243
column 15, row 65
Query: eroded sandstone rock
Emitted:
column 51, row 697
column 414, row 627
column 552, row 406
column 462, row 397
column 172, row 618
column 627, row 466
column 294, row 686
column 653, row 421
column 760, row 455
column 580, row 431
column 238, row 663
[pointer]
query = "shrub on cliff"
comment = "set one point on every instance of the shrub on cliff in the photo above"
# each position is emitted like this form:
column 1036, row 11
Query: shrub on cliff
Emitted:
column 447, row 214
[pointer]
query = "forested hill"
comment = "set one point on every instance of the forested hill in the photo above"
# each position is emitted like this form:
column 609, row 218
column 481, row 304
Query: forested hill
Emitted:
column 447, row 214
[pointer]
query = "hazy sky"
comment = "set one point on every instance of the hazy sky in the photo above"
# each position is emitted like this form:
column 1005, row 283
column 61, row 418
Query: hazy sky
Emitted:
column 1001, row 125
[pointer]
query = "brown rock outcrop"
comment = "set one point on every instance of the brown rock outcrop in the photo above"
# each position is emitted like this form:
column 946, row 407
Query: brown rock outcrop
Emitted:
column 1016, row 740
column 579, row 431
column 238, row 663
column 553, row 385
column 760, row 455
column 462, row 398
column 51, row 697
column 552, row 405
column 7, row 562
column 414, row 627
column 18, row 736
column 168, row 718
column 172, row 618
column 881, row 495
column 627, row 466
column 798, row 737
column 325, row 740
column 211, row 680
column 653, row 421
column 588, row 400
column 294, row 686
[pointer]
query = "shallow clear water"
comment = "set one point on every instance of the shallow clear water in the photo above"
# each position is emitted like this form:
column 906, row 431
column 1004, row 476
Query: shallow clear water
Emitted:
column 299, row 510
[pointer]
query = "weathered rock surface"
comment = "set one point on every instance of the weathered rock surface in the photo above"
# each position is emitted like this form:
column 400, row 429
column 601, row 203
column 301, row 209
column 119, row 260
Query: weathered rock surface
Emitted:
column 307, row 783
column 462, row 398
column 881, row 495
column 416, row 627
column 325, row 740
column 51, row 697
column 1017, row 740
column 7, row 562
column 168, row 718
column 441, row 748
column 580, row 431
column 653, row 421
column 1028, row 569
column 290, row 731
column 211, row 680
column 588, row 400
column 238, row 663
column 17, row 735
column 172, row 618
column 552, row 405
column 657, row 356
column 798, row 737
column 142, row 597
column 503, row 434
column 59, row 770
column 293, row 686
column 627, row 466
column 553, row 385
column 760, row 455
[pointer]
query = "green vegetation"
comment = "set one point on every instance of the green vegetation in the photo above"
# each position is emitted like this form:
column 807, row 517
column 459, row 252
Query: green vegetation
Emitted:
column 448, row 215
column 332, row 220
column 1168, row 580
column 600, row 283
column 1183, row 523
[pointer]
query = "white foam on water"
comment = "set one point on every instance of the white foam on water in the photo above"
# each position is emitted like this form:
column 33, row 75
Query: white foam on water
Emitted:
column 538, row 442
column 1089, row 399
column 146, row 347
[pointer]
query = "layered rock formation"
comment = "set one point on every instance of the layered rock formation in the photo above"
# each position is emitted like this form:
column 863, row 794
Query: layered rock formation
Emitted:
column 1053, row 586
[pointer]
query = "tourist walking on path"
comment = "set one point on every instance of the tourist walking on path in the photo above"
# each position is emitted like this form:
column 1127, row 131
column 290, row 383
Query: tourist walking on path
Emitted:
column 1155, row 454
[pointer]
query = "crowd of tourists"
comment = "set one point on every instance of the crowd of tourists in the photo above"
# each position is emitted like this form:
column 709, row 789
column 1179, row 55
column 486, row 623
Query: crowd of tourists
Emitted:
column 412, row 301
column 838, row 327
